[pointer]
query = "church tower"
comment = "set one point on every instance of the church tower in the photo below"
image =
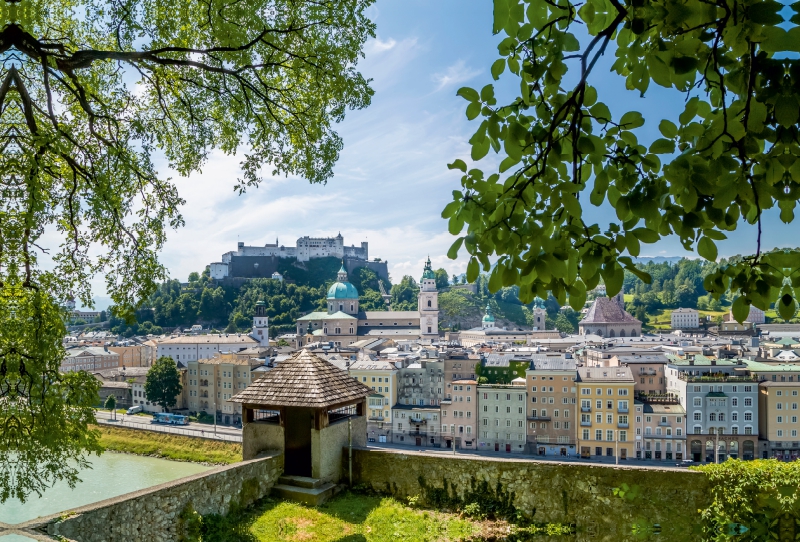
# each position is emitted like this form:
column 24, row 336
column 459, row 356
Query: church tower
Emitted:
column 428, row 304
column 539, row 314
column 260, row 330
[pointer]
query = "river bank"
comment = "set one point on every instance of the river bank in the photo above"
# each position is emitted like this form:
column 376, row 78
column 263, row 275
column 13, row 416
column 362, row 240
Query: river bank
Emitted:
column 169, row 446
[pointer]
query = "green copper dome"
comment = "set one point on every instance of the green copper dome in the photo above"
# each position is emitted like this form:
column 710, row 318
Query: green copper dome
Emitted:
column 538, row 303
column 427, row 273
column 488, row 318
column 342, row 290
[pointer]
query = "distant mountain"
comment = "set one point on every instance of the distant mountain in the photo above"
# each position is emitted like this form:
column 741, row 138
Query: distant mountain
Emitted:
column 658, row 259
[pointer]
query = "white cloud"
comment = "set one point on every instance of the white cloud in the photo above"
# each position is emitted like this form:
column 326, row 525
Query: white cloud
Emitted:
column 454, row 75
column 379, row 46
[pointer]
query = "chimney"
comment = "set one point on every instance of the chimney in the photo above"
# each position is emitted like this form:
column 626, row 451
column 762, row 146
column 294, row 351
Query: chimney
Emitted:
column 713, row 361
column 691, row 360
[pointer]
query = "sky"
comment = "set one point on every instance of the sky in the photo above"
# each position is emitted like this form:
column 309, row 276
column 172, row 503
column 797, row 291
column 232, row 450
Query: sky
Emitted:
column 391, row 181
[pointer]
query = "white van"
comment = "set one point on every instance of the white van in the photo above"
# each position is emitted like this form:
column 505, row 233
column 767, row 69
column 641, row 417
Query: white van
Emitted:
column 134, row 409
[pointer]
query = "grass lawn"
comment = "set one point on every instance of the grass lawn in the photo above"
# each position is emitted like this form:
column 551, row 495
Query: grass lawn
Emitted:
column 175, row 447
column 349, row 517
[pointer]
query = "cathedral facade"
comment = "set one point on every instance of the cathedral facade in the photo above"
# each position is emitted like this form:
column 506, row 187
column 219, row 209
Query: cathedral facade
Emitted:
column 344, row 323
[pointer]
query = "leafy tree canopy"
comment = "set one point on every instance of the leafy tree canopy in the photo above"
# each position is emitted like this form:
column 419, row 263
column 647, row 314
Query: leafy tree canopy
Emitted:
column 163, row 383
column 89, row 92
column 729, row 156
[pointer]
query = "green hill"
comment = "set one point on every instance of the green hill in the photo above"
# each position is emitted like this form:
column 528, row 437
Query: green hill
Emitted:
column 225, row 307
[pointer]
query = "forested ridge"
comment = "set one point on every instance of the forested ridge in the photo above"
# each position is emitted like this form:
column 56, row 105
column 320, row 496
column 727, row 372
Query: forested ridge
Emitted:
column 227, row 307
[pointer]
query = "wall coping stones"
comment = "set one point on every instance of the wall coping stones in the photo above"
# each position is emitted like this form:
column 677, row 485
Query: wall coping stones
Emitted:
column 153, row 497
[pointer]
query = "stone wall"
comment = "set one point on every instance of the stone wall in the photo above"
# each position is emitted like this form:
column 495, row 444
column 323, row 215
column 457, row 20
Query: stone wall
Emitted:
column 582, row 494
column 153, row 514
column 260, row 436
column 328, row 443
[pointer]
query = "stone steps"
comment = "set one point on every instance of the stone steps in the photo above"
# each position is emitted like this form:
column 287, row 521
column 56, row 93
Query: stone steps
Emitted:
column 310, row 491
column 300, row 481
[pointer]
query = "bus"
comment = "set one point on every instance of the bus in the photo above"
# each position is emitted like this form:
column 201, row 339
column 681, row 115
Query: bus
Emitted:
column 170, row 419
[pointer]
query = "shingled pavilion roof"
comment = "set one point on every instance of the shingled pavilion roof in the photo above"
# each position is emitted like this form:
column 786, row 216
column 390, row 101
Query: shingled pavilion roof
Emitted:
column 303, row 380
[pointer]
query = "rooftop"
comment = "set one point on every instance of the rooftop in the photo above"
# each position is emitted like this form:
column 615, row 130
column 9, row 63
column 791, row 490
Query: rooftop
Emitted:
column 757, row 366
column 303, row 380
column 607, row 310
column 655, row 408
column 338, row 315
column 219, row 338
column 605, row 374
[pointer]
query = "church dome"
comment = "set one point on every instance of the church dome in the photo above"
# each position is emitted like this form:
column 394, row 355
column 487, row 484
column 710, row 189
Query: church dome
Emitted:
column 488, row 318
column 342, row 290
column 538, row 303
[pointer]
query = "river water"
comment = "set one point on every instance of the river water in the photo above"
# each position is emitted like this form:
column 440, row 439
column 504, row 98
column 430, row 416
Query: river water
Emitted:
column 111, row 475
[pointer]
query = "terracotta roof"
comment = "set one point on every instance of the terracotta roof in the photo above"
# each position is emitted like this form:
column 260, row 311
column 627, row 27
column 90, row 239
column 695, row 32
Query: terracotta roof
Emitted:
column 607, row 310
column 303, row 380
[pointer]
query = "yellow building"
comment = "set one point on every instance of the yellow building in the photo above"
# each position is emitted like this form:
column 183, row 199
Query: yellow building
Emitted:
column 606, row 401
column 381, row 376
column 210, row 383
column 778, row 414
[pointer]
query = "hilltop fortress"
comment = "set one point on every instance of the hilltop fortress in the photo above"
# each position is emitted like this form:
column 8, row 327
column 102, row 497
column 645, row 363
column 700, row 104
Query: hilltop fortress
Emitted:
column 261, row 261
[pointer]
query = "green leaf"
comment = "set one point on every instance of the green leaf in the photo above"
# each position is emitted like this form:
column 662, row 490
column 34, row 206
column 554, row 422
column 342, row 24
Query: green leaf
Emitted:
column 458, row 164
column 452, row 253
column 498, row 67
column 662, row 146
column 646, row 235
column 631, row 119
column 473, row 110
column 585, row 145
column 740, row 309
column 469, row 94
column 787, row 111
column 472, row 269
column 667, row 129
column 480, row 149
column 787, row 307
column 707, row 249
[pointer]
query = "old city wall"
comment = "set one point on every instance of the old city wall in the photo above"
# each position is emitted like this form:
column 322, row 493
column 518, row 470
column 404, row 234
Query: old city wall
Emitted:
column 159, row 513
column 646, row 499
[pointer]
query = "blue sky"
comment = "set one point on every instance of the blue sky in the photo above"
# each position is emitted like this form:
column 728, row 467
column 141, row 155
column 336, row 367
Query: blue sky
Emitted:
column 391, row 181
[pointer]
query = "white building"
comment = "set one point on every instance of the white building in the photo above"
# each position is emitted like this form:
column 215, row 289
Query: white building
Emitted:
column 305, row 249
column 195, row 347
column 685, row 319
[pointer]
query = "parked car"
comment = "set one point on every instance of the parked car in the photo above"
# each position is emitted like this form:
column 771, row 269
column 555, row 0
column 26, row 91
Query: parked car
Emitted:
column 134, row 409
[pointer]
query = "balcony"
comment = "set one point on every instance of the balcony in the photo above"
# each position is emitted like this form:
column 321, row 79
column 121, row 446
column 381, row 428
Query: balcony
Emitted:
column 586, row 424
column 586, row 409
column 664, row 424
column 376, row 418
column 664, row 398
column 622, row 410
column 718, row 378
column 622, row 425
column 539, row 418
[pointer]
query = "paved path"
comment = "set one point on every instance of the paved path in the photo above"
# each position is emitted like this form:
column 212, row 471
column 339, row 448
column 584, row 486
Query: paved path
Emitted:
column 232, row 434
